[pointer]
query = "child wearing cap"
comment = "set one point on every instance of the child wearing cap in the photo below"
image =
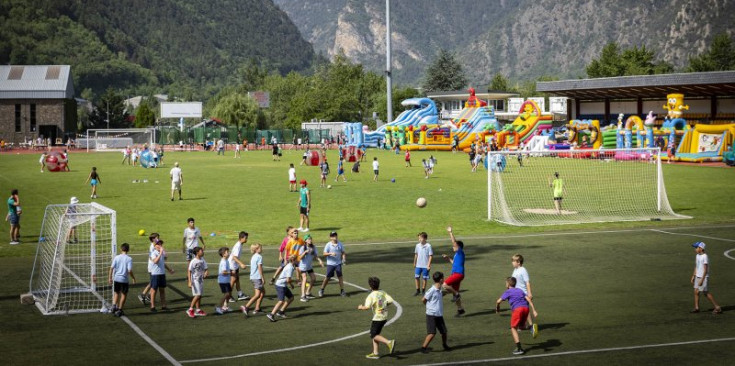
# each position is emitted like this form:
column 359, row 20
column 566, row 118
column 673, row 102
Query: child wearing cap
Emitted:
column 307, row 253
column 700, row 278
column 336, row 257
column 304, row 206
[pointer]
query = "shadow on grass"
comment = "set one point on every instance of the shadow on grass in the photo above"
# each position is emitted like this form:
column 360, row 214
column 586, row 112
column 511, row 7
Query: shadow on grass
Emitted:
column 546, row 346
column 484, row 312
column 401, row 354
column 388, row 254
column 551, row 326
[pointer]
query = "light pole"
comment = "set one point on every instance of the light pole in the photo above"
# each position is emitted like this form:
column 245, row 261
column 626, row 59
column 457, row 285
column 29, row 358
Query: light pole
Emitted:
column 108, row 113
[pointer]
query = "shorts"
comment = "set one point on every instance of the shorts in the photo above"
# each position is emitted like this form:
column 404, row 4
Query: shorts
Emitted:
column 705, row 285
column 190, row 255
column 376, row 327
column 324, row 176
column 304, row 211
column 93, row 182
column 340, row 172
column 434, row 323
column 306, row 270
column 175, row 184
column 376, row 172
column 518, row 318
column 292, row 181
column 257, row 284
column 558, row 198
column 332, row 269
column 454, row 280
column 421, row 272
column 14, row 219
column 120, row 287
column 197, row 287
column 283, row 293
column 158, row 281
column 226, row 288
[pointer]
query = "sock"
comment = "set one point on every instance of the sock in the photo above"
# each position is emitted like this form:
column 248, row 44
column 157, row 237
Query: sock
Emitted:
column 518, row 345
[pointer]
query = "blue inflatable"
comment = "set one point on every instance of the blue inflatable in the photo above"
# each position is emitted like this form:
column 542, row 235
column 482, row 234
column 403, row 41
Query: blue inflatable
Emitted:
column 148, row 159
column 497, row 162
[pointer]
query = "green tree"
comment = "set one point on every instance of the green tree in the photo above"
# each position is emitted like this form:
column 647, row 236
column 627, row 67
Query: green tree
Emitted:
column 609, row 63
column 719, row 57
column 444, row 73
column 632, row 61
column 499, row 82
column 144, row 115
column 111, row 103
column 238, row 109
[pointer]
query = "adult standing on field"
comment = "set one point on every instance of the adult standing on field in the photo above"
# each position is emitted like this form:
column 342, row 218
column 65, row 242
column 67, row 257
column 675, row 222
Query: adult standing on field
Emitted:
column 14, row 217
column 177, row 179
column 558, row 185
column 304, row 206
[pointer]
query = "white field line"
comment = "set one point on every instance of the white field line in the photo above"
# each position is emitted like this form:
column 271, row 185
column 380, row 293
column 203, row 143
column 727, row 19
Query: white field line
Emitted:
column 695, row 235
column 727, row 254
column 150, row 341
column 567, row 353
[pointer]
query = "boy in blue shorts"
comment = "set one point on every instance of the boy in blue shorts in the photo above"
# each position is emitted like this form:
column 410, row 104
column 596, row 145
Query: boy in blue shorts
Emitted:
column 336, row 257
column 285, row 296
column 120, row 269
column 341, row 169
column 144, row 297
column 422, row 262
column 519, row 303
column 224, row 273
column 378, row 301
column 435, row 313
column 158, row 275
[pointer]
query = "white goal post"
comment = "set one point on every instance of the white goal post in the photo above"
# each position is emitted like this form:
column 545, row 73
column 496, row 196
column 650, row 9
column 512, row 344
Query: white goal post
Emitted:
column 74, row 253
column 116, row 139
column 593, row 186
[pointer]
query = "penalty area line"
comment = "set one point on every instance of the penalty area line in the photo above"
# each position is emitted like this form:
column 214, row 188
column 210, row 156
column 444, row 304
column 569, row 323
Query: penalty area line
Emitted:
column 597, row 350
column 150, row 341
column 398, row 314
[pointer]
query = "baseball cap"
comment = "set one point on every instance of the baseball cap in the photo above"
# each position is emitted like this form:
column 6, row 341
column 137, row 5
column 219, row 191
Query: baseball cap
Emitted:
column 333, row 233
column 303, row 181
column 307, row 236
column 74, row 201
column 699, row 244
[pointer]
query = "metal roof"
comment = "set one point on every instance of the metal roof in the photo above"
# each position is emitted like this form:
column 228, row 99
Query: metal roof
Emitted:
column 696, row 84
column 36, row 82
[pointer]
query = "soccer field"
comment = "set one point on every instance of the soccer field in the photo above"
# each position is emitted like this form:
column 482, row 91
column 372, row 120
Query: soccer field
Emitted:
column 618, row 291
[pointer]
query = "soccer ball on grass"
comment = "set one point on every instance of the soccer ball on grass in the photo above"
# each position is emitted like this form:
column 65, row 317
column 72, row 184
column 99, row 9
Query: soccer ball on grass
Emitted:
column 421, row 202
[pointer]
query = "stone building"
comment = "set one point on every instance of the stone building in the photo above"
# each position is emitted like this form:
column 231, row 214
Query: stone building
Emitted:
column 36, row 101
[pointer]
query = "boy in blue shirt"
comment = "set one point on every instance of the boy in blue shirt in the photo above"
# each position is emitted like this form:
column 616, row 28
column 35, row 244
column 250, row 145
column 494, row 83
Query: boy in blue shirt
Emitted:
column 285, row 296
column 120, row 269
column 336, row 257
column 224, row 272
column 455, row 278
column 519, row 303
column 435, row 313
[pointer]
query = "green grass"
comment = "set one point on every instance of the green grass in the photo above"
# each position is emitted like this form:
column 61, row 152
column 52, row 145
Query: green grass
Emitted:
column 596, row 286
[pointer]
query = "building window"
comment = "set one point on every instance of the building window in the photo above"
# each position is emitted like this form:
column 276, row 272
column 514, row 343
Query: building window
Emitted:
column 33, row 118
column 18, row 125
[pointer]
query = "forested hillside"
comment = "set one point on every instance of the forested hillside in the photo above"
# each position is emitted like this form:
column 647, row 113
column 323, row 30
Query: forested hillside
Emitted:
column 522, row 39
column 187, row 48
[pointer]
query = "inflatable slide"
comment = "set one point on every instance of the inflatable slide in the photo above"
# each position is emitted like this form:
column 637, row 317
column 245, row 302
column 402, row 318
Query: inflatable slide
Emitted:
column 524, row 126
column 705, row 143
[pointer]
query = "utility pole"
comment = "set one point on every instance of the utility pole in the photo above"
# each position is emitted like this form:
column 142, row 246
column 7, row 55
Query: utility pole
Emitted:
column 108, row 113
column 389, row 86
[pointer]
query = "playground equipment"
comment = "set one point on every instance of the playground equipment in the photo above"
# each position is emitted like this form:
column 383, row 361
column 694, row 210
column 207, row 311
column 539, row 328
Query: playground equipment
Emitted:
column 705, row 143
column 584, row 134
column 529, row 121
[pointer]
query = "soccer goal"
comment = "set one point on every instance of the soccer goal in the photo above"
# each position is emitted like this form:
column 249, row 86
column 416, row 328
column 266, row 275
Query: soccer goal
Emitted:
column 74, row 254
column 591, row 186
column 116, row 139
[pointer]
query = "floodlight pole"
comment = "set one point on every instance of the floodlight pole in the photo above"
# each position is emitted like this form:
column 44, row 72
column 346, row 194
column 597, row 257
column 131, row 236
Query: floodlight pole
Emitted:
column 389, row 87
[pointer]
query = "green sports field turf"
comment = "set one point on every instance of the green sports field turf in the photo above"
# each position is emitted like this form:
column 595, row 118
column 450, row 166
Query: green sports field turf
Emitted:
column 606, row 289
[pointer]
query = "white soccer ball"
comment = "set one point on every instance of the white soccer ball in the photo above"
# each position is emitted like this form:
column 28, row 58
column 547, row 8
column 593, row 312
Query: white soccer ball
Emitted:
column 329, row 186
column 421, row 202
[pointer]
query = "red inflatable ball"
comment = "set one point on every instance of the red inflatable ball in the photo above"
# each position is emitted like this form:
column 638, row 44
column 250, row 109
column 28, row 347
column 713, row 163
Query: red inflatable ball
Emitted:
column 56, row 161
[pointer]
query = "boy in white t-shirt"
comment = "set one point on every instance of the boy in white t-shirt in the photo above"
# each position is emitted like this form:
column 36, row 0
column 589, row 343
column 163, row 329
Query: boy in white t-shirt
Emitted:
column 177, row 179
column 236, row 264
column 143, row 297
column 189, row 241
column 158, row 275
column 120, row 269
column 700, row 277
column 523, row 283
column 292, row 178
column 195, row 275
column 376, row 169
column 423, row 254
column 285, row 296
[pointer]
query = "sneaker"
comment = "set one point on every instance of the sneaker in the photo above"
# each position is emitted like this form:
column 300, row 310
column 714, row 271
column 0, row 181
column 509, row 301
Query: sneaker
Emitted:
column 200, row 312
column 270, row 317
column 306, row 230
column 535, row 330
column 455, row 297
column 343, row 293
column 256, row 312
column 391, row 346
column 310, row 296
column 372, row 356
column 694, row 311
column 141, row 298
column 14, row 242
column 300, row 229
column 218, row 310
column 232, row 300
column 417, row 293
column 460, row 312
column 321, row 293
column 244, row 310
column 172, row 199
column 153, row 310
column 148, row 298
column 425, row 350
column 119, row 313
column 281, row 315
column 304, row 299
column 446, row 347
column 718, row 310
column 519, row 351
column 190, row 313
column 241, row 297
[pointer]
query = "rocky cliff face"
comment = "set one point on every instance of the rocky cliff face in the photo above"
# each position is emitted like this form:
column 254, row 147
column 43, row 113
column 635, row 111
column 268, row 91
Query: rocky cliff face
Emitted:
column 522, row 39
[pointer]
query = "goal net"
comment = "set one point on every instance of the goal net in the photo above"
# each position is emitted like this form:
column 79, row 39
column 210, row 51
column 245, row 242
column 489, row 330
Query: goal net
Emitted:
column 592, row 186
column 75, row 250
column 116, row 139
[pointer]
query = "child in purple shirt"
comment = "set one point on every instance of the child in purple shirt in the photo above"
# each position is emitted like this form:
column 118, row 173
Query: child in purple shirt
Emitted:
column 519, row 304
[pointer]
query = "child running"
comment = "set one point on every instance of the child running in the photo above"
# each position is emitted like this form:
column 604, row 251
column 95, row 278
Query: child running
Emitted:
column 455, row 278
column 378, row 301
column 523, row 282
column 519, row 303
column 306, row 254
column 256, row 277
column 121, row 268
column 285, row 297
column 195, row 275
column 435, row 313
column 223, row 279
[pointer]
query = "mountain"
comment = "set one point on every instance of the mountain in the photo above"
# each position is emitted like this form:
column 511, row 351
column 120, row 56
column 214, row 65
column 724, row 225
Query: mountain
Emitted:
column 186, row 47
column 522, row 39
